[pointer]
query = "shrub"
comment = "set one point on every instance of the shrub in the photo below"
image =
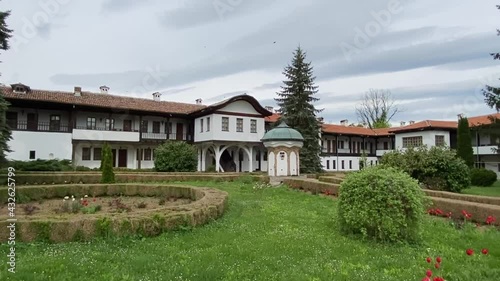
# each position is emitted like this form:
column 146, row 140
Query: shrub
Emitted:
column 176, row 156
column 108, row 176
column 482, row 177
column 437, row 168
column 383, row 204
column 42, row 165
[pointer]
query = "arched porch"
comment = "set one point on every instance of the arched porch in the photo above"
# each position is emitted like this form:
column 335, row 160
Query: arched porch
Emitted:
column 232, row 157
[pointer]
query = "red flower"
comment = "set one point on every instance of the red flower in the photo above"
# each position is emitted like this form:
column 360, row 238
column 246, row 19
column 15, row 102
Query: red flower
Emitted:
column 428, row 273
column 93, row 200
column 490, row 219
column 439, row 212
column 431, row 212
column 438, row 259
column 469, row 252
column 484, row 251
column 426, row 279
column 437, row 265
column 429, row 260
column 466, row 214
column 438, row 279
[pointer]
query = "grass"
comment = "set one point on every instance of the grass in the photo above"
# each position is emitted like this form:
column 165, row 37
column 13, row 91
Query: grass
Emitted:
column 493, row 190
column 268, row 234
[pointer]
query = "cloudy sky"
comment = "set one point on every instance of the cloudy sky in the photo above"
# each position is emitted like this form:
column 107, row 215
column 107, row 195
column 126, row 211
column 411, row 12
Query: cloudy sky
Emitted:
column 432, row 55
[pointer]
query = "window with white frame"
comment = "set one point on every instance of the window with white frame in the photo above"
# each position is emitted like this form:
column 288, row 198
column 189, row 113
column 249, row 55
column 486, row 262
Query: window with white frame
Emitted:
column 201, row 125
column 225, row 124
column 412, row 141
column 208, row 124
column 253, row 126
column 239, row 125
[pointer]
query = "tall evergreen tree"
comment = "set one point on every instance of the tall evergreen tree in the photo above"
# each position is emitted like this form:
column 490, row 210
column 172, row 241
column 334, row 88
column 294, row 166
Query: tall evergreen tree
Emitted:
column 464, row 144
column 295, row 102
column 108, row 176
column 5, row 134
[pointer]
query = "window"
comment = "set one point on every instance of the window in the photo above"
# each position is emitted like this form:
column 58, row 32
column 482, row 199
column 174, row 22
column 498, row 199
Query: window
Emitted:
column 97, row 153
column 412, row 142
column 386, row 145
column 334, row 164
column 144, row 126
column 264, row 157
column 350, row 164
column 55, row 122
column 86, row 153
column 225, row 124
column 156, row 127
column 201, row 125
column 32, row 154
column 239, row 125
column 91, row 123
column 328, row 164
column 147, row 154
column 168, row 127
column 282, row 155
column 371, row 162
column 439, row 140
column 110, row 124
column 341, row 144
column 342, row 164
column 208, row 124
column 253, row 126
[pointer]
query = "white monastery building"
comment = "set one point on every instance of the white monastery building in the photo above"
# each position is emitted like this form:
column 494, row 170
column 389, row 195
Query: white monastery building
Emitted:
column 228, row 135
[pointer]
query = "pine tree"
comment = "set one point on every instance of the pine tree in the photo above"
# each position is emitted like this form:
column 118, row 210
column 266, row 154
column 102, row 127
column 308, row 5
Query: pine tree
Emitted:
column 295, row 102
column 108, row 176
column 464, row 144
column 5, row 133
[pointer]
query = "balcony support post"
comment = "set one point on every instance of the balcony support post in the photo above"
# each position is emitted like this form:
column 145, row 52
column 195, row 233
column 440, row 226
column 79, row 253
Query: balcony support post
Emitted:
column 140, row 128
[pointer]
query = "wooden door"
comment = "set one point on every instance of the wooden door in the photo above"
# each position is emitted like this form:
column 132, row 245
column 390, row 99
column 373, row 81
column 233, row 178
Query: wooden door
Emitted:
column 179, row 131
column 113, row 151
column 122, row 158
column 32, row 122
column 127, row 125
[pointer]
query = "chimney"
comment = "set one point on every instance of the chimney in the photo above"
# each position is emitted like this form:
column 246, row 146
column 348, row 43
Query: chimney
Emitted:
column 402, row 123
column 411, row 122
column 104, row 89
column 198, row 101
column 157, row 96
column 344, row 122
column 78, row 91
column 269, row 108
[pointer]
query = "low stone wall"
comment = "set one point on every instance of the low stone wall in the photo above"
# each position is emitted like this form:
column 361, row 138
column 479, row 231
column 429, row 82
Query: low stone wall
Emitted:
column 313, row 186
column 209, row 205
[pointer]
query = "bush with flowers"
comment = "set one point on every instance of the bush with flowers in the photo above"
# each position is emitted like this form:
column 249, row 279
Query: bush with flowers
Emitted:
column 382, row 204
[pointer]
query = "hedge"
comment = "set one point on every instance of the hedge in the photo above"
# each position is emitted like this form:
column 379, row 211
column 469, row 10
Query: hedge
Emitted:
column 209, row 205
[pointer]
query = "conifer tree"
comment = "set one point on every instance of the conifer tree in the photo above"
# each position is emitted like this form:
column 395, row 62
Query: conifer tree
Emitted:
column 108, row 176
column 464, row 144
column 5, row 133
column 295, row 102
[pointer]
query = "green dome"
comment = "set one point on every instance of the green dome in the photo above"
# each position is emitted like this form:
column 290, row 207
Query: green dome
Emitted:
column 282, row 133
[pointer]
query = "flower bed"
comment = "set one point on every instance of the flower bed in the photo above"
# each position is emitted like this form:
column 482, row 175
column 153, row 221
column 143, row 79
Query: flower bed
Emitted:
column 205, row 205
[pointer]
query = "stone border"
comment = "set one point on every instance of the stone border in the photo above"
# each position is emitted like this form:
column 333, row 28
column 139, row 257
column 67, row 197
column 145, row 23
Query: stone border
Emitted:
column 209, row 205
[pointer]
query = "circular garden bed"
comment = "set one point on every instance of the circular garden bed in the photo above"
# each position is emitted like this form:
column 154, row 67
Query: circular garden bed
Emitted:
column 63, row 213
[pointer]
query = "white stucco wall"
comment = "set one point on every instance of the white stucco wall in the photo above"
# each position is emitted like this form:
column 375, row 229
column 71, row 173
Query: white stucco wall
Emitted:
column 47, row 145
column 216, row 132
column 131, row 155
column 428, row 137
column 338, row 162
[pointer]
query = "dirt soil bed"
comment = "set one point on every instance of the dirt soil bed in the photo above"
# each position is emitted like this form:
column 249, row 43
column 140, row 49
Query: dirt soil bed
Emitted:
column 52, row 208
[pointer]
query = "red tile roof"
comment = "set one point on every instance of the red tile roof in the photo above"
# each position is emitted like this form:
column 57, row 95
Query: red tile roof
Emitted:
column 347, row 130
column 102, row 100
column 483, row 120
column 426, row 124
column 272, row 118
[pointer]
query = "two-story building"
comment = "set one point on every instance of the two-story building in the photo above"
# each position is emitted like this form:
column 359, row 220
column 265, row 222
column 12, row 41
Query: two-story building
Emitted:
column 75, row 125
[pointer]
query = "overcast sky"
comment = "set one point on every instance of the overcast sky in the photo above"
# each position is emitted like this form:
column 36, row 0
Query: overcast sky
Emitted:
column 432, row 55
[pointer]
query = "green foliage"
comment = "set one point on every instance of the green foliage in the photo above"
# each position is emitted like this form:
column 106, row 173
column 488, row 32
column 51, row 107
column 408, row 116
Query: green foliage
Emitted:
column 210, row 169
column 482, row 177
column 108, row 176
column 103, row 227
column 55, row 165
column 383, row 204
column 297, row 110
column 91, row 209
column 176, row 156
column 5, row 133
column 438, row 167
column 464, row 142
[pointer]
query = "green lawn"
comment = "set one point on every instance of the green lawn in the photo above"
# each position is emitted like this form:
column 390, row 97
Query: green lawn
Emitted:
column 493, row 190
column 269, row 234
